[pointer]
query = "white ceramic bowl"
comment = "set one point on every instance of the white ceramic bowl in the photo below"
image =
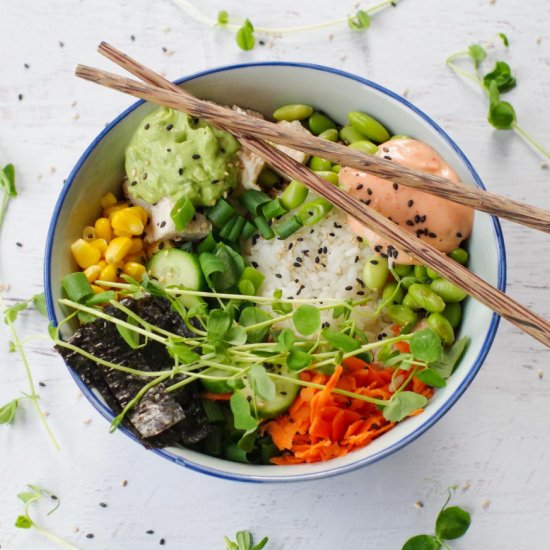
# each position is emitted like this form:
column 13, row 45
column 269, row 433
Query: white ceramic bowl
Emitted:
column 263, row 87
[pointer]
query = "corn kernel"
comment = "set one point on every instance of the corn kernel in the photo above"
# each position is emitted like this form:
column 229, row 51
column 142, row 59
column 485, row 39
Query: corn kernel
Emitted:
column 137, row 246
column 85, row 254
column 117, row 249
column 102, row 263
column 103, row 229
column 92, row 272
column 134, row 270
column 100, row 244
column 108, row 212
column 127, row 222
column 89, row 233
column 108, row 273
column 140, row 212
column 97, row 289
column 107, row 200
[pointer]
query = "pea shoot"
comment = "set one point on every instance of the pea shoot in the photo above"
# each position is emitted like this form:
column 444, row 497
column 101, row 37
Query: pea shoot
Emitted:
column 244, row 541
column 10, row 315
column 24, row 521
column 7, row 185
column 494, row 83
column 245, row 39
column 452, row 523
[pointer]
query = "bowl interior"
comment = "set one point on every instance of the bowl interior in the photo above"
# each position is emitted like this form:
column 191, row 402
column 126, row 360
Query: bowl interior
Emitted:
column 264, row 87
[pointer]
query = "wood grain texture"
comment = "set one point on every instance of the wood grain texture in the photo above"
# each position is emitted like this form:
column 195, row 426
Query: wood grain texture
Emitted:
column 496, row 438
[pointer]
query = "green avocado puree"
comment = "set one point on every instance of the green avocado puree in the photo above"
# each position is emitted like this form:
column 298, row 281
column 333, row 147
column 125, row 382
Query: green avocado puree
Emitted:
column 174, row 155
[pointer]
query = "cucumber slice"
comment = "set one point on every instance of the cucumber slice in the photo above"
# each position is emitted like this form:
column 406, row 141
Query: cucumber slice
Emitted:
column 175, row 267
column 216, row 386
column 285, row 394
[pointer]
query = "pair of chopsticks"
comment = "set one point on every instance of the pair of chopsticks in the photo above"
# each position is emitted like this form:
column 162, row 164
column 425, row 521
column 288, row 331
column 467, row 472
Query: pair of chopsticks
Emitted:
column 255, row 134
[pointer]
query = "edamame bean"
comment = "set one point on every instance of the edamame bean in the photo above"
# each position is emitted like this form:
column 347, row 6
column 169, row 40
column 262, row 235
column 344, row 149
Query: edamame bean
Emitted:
column 319, row 123
column 328, row 175
column 330, row 135
column 403, row 270
column 448, row 291
column 294, row 195
column 375, row 272
column 295, row 111
column 348, row 134
column 392, row 292
column 268, row 178
column 336, row 168
column 420, row 272
column 432, row 274
column 453, row 313
column 426, row 298
column 401, row 315
column 368, row 126
column 441, row 326
column 410, row 302
column 459, row 255
column 365, row 146
column 317, row 163
column 400, row 136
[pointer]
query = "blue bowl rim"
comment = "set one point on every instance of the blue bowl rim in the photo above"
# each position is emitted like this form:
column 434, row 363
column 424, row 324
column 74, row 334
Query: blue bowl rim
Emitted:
column 106, row 412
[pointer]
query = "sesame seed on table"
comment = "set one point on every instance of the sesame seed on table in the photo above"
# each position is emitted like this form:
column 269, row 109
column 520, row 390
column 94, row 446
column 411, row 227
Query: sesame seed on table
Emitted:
column 113, row 494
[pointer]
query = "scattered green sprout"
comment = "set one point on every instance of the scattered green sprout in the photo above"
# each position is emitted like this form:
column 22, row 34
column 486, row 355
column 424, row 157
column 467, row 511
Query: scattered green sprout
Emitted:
column 244, row 541
column 500, row 80
column 452, row 523
column 7, row 411
column 7, row 185
column 24, row 521
column 10, row 315
column 245, row 38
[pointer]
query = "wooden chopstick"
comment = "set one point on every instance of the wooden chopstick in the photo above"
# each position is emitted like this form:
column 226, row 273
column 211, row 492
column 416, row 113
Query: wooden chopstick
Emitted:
column 170, row 94
column 459, row 192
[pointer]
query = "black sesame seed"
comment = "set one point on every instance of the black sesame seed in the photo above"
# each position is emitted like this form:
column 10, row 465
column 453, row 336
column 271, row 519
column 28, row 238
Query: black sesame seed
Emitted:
column 300, row 239
column 337, row 226
column 410, row 203
column 417, row 218
column 20, row 97
column 132, row 38
column 195, row 121
column 149, row 532
column 222, row 150
column 161, row 246
column 42, row 384
column 332, row 234
column 317, row 259
column 356, row 259
column 144, row 176
column 278, row 275
column 296, row 280
column 360, row 292
column 90, row 536
column 103, row 504
column 423, row 218
column 387, row 157
column 180, row 171
column 215, row 181
column 20, row 245
column 54, row 497
column 367, row 202
column 283, row 393
column 196, row 156
column 432, row 235
column 254, row 264
column 147, row 126
column 298, row 259
column 378, row 248
column 169, row 127
column 162, row 542
column 26, row 65
column 359, row 187
column 360, row 282
column 383, row 255
column 325, row 249
column 296, row 264
column 349, row 287
column 409, row 222
column 319, row 251
column 459, row 235
column 162, row 223
column 164, row 49
column 369, row 191
column 395, row 186
column 374, row 262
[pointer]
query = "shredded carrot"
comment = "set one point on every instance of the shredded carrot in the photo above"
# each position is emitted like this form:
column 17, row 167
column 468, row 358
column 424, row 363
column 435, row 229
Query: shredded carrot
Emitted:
column 321, row 425
column 216, row 396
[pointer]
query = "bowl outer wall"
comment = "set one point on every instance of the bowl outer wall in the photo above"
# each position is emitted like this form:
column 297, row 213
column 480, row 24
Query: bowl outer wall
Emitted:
column 321, row 86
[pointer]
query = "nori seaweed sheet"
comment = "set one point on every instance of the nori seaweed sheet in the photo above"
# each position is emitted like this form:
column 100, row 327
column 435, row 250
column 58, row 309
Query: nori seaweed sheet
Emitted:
column 159, row 418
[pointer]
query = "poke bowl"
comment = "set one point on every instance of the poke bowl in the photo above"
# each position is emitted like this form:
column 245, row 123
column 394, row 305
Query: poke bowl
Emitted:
column 169, row 242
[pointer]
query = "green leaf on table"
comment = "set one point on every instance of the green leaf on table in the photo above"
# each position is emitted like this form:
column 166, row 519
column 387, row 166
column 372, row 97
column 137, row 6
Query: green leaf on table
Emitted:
column 7, row 411
column 7, row 180
column 39, row 303
column 504, row 39
column 502, row 76
column 402, row 405
column 422, row 542
column 23, row 522
column 477, row 53
column 360, row 21
column 431, row 377
column 242, row 417
column 502, row 115
column 263, row 385
column 452, row 523
column 307, row 319
column 244, row 540
column 245, row 36
column 426, row 345
column 11, row 313
column 223, row 17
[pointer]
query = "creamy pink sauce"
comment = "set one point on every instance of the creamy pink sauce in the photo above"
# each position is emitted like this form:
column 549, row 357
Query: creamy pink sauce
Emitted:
column 442, row 223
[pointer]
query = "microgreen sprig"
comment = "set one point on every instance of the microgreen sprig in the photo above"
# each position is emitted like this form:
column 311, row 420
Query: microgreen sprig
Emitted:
column 500, row 80
column 452, row 523
column 244, row 541
column 24, row 521
column 10, row 315
column 245, row 30
column 7, row 185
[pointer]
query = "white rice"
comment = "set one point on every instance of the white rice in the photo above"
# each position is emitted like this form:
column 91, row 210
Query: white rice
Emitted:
column 323, row 261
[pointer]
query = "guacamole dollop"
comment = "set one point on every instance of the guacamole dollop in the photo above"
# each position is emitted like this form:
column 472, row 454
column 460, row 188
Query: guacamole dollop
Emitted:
column 172, row 154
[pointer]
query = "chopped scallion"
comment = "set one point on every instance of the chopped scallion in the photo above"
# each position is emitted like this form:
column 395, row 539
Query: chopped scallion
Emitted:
column 273, row 209
column 76, row 286
column 253, row 200
column 288, row 227
column 182, row 213
column 264, row 228
column 220, row 213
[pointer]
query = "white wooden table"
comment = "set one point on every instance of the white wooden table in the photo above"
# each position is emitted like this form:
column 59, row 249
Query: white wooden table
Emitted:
column 495, row 444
